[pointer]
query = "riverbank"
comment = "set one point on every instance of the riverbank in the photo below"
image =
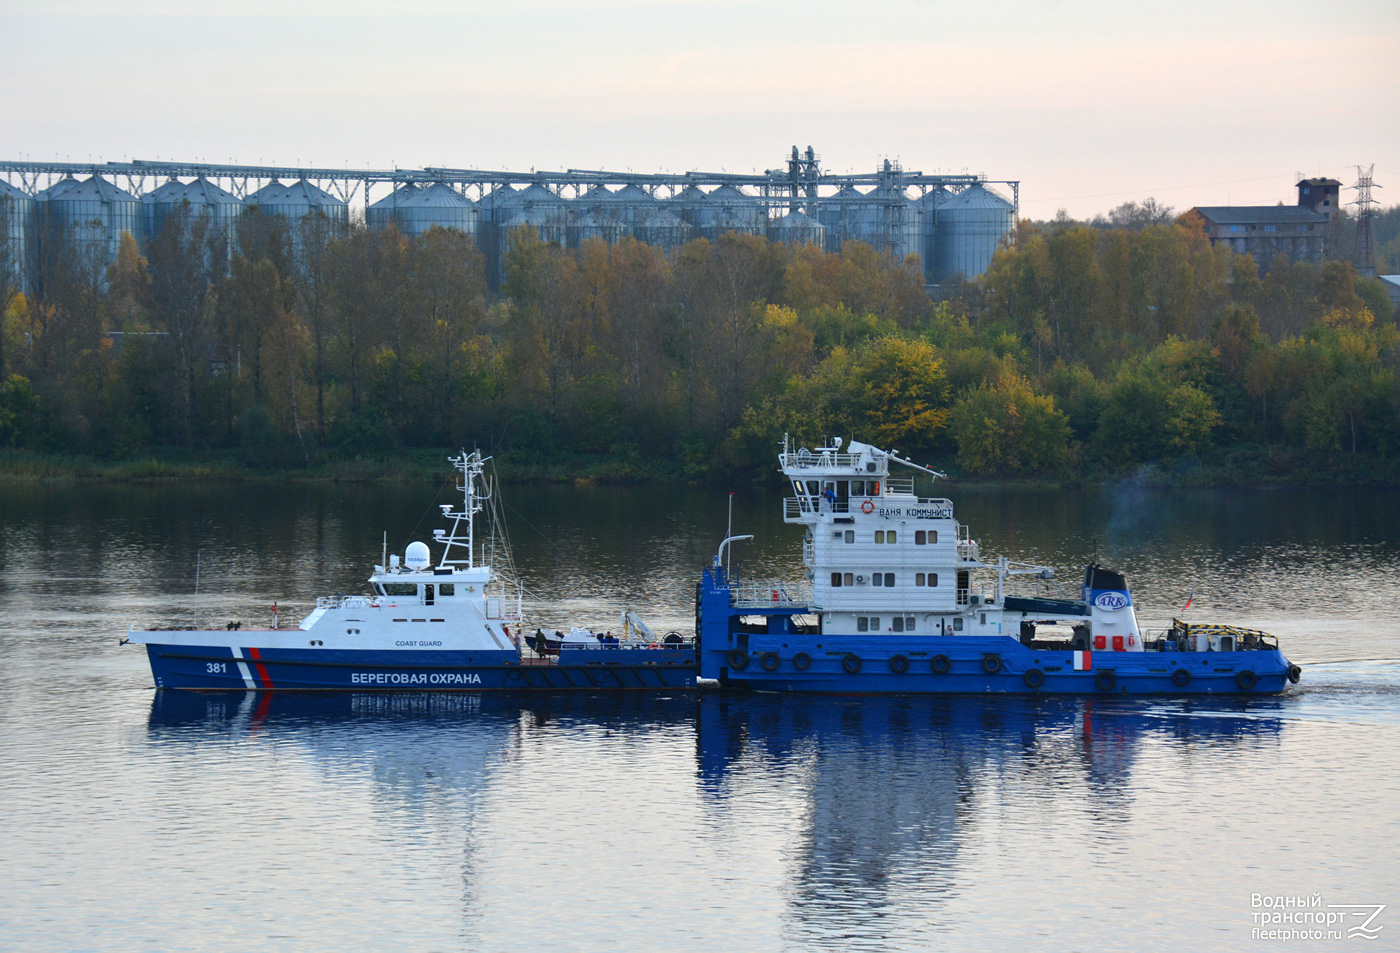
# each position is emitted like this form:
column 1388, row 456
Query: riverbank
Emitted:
column 1245, row 466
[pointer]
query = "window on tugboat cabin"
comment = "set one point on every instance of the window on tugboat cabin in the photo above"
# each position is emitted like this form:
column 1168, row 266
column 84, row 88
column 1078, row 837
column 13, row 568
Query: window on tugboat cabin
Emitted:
column 957, row 624
column 898, row 623
column 926, row 579
column 850, row 536
column 850, row 579
column 877, row 579
column 400, row 589
column 862, row 624
column 857, row 488
column 447, row 589
column 925, row 537
column 836, row 579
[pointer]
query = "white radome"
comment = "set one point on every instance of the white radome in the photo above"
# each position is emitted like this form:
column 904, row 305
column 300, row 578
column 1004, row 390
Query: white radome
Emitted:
column 417, row 556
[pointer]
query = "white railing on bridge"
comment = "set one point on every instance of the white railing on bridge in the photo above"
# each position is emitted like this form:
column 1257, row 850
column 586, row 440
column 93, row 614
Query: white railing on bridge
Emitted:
column 819, row 460
column 769, row 594
column 343, row 602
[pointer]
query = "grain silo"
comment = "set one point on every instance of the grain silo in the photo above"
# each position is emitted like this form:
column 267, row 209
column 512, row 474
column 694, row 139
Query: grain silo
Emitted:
column 16, row 218
column 298, row 200
column 797, row 228
column 437, row 205
column 662, row 228
column 884, row 219
column 204, row 198
column 971, row 226
column 728, row 209
column 536, row 208
column 91, row 214
column 930, row 209
column 381, row 213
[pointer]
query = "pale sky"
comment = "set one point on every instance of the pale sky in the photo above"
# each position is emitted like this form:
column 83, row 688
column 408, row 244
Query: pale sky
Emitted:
column 1088, row 103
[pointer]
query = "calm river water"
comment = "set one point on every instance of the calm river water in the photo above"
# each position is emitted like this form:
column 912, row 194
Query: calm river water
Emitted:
column 682, row 822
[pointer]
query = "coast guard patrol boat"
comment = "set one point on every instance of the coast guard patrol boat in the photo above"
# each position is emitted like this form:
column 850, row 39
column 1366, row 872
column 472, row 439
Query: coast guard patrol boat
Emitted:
column 898, row 598
column 449, row 626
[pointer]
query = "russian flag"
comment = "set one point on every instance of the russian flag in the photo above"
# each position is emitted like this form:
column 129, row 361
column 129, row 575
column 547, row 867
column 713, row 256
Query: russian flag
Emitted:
column 1083, row 661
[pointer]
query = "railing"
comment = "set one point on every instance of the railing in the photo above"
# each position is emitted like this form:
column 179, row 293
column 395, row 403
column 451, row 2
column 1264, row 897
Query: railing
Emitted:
column 343, row 602
column 977, row 595
column 899, row 487
column 769, row 594
column 824, row 459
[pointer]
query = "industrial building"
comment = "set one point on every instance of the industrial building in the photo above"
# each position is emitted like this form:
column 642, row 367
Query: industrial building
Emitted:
column 1305, row 232
column 953, row 223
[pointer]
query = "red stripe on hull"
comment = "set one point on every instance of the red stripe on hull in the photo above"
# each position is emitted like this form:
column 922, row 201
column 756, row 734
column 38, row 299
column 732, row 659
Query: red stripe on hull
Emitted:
column 260, row 668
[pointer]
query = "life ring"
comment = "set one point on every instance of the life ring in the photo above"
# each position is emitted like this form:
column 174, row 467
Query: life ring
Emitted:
column 1294, row 673
column 899, row 664
column 1181, row 677
column 738, row 660
column 1105, row 681
column 942, row 665
column 1246, row 679
column 769, row 661
column 851, row 663
column 1034, row 678
column 991, row 664
column 801, row 661
column 867, row 507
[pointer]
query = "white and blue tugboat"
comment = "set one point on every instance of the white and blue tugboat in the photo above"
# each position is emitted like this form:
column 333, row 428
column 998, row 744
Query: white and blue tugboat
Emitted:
column 450, row 626
column 897, row 598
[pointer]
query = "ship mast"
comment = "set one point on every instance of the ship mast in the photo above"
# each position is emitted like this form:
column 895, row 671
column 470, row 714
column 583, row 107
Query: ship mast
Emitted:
column 470, row 465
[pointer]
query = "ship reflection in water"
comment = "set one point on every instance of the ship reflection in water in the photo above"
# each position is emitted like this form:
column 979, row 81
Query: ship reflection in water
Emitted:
column 892, row 822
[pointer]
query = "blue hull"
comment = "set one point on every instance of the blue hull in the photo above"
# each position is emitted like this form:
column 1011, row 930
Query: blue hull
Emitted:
column 982, row 664
column 205, row 668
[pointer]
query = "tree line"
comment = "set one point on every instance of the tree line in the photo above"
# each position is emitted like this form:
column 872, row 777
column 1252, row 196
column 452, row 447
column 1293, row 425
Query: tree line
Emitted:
column 1085, row 349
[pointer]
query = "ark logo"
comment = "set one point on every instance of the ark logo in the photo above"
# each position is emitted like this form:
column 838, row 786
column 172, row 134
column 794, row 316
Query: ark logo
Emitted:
column 1112, row 600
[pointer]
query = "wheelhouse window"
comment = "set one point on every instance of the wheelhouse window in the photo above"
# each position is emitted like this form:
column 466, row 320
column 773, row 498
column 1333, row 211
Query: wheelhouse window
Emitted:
column 857, row 488
column 400, row 589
